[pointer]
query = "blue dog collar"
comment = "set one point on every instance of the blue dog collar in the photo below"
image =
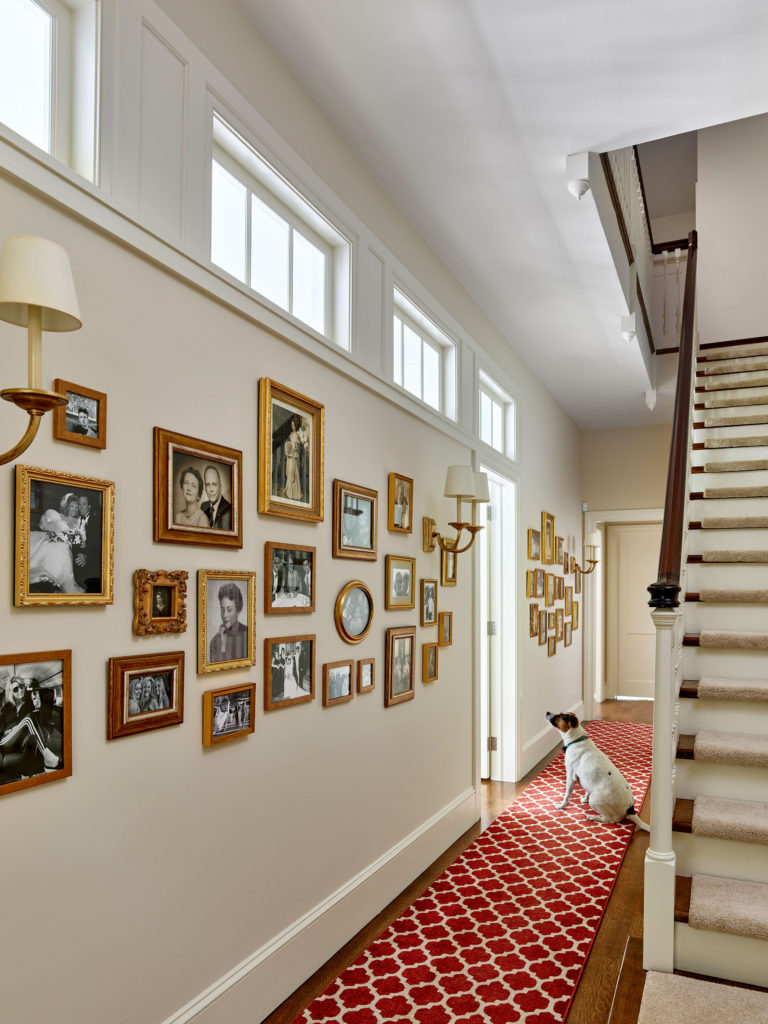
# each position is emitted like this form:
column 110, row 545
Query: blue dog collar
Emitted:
column 579, row 740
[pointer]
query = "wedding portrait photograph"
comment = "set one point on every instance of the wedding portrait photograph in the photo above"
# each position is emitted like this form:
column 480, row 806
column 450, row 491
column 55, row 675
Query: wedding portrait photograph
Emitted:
column 289, row 671
column 228, row 713
column 399, row 582
column 400, row 648
column 291, row 453
column 354, row 521
column 337, row 683
column 226, row 619
column 83, row 420
column 35, row 719
column 289, row 578
column 144, row 692
column 64, row 538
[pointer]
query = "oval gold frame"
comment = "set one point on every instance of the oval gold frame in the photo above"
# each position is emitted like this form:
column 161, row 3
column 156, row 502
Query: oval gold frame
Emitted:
column 345, row 591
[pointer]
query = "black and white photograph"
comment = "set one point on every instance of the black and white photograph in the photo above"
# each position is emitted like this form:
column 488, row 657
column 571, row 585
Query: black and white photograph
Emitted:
column 144, row 692
column 63, row 538
column 148, row 694
column 290, row 453
column 289, row 671
column 429, row 663
column 400, row 519
column 162, row 602
column 445, row 629
column 448, row 568
column 202, row 492
column 366, row 675
column 35, row 719
column 226, row 619
column 228, row 713
column 289, row 579
column 428, row 602
column 400, row 587
column 534, row 545
column 400, row 664
column 292, row 441
column 337, row 683
column 83, row 420
column 353, row 613
column 354, row 521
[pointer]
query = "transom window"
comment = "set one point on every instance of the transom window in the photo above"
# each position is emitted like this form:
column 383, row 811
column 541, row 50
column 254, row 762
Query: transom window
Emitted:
column 497, row 416
column 424, row 357
column 266, row 235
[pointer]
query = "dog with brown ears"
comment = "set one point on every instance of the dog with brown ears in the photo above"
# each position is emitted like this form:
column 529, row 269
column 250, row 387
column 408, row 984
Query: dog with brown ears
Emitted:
column 605, row 789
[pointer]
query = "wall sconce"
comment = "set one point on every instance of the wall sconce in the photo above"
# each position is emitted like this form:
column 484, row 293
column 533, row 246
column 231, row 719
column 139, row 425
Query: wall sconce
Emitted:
column 463, row 484
column 628, row 328
column 591, row 547
column 36, row 292
column 577, row 174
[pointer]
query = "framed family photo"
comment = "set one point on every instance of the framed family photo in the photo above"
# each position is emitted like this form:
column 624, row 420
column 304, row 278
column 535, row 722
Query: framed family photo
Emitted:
column 551, row 646
column 160, row 601
column 226, row 619
column 428, row 663
column 144, row 691
column 567, row 634
column 448, row 568
column 400, row 580
column 400, row 505
column 366, row 675
column 64, row 538
column 353, row 613
column 35, row 719
column 542, row 628
column 289, row 671
column 534, row 545
column 289, row 578
column 428, row 602
column 83, row 420
column 547, row 538
column 400, row 658
column 197, row 491
column 533, row 623
column 445, row 629
column 337, row 683
column 355, row 518
column 530, row 583
column 228, row 713
column 291, row 453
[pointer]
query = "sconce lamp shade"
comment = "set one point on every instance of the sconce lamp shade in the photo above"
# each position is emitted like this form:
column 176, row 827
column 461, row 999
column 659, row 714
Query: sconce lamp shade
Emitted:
column 482, row 492
column 592, row 540
column 36, row 272
column 460, row 483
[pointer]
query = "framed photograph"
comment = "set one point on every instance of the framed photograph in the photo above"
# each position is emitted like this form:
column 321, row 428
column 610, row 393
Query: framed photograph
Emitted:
column 542, row 628
column 399, row 585
column 547, row 538
column 64, row 538
column 569, row 600
column 534, row 545
column 428, row 602
column 289, row 579
column 83, row 420
column 573, row 563
column 35, row 718
column 337, row 683
column 575, row 615
column 159, row 601
column 400, row 516
column 550, row 592
column 551, row 621
column 353, row 613
column 366, row 675
column 401, row 648
column 551, row 646
column 445, row 629
column 530, row 583
column 559, row 550
column 559, row 588
column 541, row 583
column 144, row 691
column 566, row 561
column 226, row 619
column 198, row 491
column 428, row 663
column 228, row 713
column 289, row 671
column 567, row 634
column 291, row 453
column 577, row 581
column 533, row 624
column 559, row 624
column 448, row 568
column 355, row 521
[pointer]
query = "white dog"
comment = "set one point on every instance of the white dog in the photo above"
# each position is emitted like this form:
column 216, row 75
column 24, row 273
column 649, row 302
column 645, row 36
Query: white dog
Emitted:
column 605, row 788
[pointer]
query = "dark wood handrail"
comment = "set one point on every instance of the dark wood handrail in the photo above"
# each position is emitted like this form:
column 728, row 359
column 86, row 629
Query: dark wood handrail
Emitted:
column 664, row 592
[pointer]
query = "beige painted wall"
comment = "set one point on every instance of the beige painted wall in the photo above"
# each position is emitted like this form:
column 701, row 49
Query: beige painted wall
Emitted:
column 625, row 468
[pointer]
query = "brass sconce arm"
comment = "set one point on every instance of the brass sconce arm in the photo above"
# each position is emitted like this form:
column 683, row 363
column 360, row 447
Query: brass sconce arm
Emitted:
column 36, row 403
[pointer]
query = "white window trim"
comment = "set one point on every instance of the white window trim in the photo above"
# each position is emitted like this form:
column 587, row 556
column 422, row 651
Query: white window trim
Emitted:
column 488, row 386
column 437, row 338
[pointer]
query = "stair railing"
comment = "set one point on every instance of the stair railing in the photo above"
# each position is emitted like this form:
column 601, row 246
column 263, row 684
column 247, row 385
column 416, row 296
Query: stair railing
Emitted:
column 659, row 887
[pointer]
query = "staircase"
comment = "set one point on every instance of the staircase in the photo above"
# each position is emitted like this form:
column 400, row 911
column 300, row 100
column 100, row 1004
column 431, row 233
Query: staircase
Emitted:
column 720, row 775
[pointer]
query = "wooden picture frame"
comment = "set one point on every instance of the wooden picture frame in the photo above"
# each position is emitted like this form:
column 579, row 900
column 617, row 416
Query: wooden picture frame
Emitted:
column 542, row 628
column 353, row 612
column 355, row 521
column 530, row 583
column 575, row 615
column 428, row 602
column 445, row 629
column 541, row 583
column 399, row 583
column 290, row 579
column 64, row 538
column 559, row 588
column 37, row 718
column 566, row 561
column 289, row 671
column 159, row 601
column 577, row 580
column 547, row 538
column 568, row 600
column 366, row 675
column 338, row 684
column 226, row 619
column 551, row 646
column 83, row 420
column 291, row 453
column 549, row 598
column 400, row 658
column 533, row 620
column 198, row 487
column 559, row 624
column 534, row 545
column 551, row 621
column 449, row 568
column 228, row 713
column 559, row 548
column 400, row 504
column 567, row 634
column 144, row 692
column 429, row 662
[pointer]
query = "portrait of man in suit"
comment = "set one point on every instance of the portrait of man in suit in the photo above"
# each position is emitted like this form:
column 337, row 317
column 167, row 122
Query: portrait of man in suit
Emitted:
column 216, row 507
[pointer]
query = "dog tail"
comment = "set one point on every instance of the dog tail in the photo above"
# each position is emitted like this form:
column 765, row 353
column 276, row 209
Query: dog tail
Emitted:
column 633, row 816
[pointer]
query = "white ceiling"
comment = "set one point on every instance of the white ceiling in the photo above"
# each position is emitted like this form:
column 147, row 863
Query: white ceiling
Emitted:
column 465, row 110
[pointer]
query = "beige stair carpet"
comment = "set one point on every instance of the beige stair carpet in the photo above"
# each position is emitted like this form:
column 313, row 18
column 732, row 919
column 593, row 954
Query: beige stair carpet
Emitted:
column 728, row 385
column 737, row 365
column 733, row 596
column 744, row 821
column 734, row 556
column 747, row 466
column 755, row 441
column 735, row 523
column 722, row 639
column 747, row 750
column 735, row 492
column 735, row 402
column 757, row 348
column 673, row 999
column 729, row 905
column 736, row 421
column 724, row 688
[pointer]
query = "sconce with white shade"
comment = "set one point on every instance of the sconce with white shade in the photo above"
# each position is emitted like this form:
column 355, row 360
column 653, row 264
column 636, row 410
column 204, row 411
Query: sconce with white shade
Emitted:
column 591, row 549
column 463, row 484
column 36, row 292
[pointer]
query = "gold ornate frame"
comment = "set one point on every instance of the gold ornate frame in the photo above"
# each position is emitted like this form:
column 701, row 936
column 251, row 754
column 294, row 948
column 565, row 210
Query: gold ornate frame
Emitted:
column 204, row 578
column 144, row 619
column 346, row 590
column 269, row 503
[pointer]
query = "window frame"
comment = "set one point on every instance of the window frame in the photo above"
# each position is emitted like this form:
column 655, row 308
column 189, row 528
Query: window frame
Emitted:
column 487, row 386
column 432, row 337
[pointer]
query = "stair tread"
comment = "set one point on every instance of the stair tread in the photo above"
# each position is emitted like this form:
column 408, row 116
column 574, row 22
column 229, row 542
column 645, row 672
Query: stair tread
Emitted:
column 729, row 905
column 727, row 595
column 730, row 523
column 715, row 493
column 725, row 688
column 724, row 818
column 732, row 466
column 691, row 999
column 727, row 639
column 746, row 750
column 719, row 443
column 728, row 556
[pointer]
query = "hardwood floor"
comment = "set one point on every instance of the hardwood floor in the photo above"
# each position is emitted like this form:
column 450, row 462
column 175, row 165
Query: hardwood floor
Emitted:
column 623, row 916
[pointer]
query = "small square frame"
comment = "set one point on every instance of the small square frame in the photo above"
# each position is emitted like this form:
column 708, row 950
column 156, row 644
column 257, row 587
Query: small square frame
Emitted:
column 86, row 397
column 364, row 686
column 328, row 669
column 211, row 737
column 398, row 564
column 123, row 673
column 152, row 587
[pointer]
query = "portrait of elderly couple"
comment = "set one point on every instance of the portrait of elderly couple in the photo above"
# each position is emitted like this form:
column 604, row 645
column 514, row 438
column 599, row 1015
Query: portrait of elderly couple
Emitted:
column 202, row 493
column 32, row 721
column 65, row 539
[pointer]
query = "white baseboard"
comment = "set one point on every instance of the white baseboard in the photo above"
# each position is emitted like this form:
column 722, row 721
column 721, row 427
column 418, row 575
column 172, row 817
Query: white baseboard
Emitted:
column 544, row 742
column 254, row 987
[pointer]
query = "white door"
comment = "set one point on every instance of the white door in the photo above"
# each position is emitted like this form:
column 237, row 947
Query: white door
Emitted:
column 631, row 563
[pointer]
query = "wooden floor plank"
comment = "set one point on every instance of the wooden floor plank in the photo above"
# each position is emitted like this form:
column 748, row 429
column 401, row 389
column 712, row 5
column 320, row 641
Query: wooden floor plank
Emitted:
column 629, row 988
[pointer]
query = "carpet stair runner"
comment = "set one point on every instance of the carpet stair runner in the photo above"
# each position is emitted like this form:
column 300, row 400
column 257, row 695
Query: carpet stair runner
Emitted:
column 720, row 821
column 673, row 999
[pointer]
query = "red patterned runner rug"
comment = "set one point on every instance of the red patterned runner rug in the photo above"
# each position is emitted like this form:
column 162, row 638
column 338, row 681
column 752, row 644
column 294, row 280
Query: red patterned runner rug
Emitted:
column 504, row 933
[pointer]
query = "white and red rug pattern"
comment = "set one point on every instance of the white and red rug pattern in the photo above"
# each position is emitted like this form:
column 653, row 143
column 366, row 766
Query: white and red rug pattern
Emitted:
column 503, row 934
